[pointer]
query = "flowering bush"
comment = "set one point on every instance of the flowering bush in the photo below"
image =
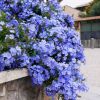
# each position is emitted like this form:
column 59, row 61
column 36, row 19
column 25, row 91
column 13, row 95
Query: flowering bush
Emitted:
column 39, row 36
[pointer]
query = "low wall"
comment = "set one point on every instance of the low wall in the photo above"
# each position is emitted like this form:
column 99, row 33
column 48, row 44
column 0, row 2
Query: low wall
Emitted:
column 20, row 89
column 16, row 85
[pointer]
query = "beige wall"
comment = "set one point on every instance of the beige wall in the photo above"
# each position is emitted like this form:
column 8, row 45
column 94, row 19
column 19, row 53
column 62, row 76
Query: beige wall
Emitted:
column 71, row 11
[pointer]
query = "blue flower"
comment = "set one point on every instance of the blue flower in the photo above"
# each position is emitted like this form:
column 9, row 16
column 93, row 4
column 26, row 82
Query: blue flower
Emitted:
column 38, row 74
column 13, row 51
column 2, row 65
column 1, row 28
column 6, row 55
column 39, row 36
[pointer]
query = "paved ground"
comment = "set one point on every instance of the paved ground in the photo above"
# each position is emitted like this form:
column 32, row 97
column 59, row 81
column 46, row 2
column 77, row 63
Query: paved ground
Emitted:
column 92, row 73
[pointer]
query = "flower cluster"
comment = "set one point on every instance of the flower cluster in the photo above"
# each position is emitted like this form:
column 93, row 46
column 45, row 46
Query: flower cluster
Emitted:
column 39, row 36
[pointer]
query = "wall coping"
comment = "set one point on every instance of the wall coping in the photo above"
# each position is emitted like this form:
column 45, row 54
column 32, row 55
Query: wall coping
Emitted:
column 11, row 75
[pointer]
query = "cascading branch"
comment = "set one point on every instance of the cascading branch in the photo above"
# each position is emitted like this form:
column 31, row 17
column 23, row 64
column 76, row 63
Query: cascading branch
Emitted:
column 39, row 36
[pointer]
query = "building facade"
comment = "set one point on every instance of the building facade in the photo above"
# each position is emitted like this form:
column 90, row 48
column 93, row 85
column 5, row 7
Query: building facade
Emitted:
column 71, row 11
column 89, row 31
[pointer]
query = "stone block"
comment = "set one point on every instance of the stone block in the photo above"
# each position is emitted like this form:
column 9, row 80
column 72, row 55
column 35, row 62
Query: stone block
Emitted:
column 2, row 90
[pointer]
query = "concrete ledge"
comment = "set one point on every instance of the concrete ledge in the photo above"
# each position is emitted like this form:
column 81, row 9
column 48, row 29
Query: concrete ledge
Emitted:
column 11, row 75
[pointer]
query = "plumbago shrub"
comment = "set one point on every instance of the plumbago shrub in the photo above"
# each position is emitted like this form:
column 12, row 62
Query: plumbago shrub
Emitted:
column 39, row 36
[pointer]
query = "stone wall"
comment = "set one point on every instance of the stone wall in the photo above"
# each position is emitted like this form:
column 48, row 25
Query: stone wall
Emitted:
column 20, row 89
column 16, row 85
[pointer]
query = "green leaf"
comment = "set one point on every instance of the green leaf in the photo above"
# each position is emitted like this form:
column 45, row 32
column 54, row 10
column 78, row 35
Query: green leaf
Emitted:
column 3, row 33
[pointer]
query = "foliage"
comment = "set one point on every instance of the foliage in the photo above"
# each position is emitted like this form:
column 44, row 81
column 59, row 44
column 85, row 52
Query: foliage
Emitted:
column 93, row 8
column 41, row 37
